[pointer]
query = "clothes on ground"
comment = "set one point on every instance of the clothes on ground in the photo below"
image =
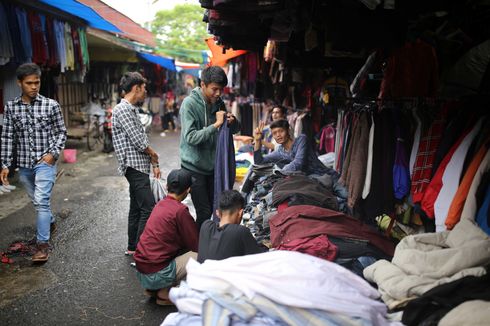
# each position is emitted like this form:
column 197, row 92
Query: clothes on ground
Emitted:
column 452, row 255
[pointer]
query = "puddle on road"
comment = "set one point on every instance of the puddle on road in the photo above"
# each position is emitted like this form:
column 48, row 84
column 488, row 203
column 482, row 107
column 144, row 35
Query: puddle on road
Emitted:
column 16, row 281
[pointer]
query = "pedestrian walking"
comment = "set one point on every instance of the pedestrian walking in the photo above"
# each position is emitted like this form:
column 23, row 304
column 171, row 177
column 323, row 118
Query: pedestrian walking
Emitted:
column 202, row 114
column 34, row 125
column 134, row 155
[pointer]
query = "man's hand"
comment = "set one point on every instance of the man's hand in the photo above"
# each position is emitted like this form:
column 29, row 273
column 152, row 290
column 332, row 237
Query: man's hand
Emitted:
column 4, row 176
column 49, row 158
column 258, row 132
column 156, row 172
column 220, row 119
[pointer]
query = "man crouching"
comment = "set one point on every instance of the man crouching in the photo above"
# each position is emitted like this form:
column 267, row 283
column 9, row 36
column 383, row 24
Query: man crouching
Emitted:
column 169, row 232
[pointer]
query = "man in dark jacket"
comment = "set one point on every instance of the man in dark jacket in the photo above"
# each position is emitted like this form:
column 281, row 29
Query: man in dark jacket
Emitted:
column 169, row 240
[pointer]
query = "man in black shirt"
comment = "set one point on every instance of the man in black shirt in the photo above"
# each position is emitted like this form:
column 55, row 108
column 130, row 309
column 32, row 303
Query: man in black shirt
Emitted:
column 229, row 238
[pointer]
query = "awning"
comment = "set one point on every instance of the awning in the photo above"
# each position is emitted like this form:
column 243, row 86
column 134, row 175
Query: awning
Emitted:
column 82, row 11
column 156, row 59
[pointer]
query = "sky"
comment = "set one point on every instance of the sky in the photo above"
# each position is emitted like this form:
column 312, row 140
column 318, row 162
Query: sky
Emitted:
column 142, row 11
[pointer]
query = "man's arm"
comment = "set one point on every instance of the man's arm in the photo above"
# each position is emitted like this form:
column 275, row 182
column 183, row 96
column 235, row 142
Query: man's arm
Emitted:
column 188, row 230
column 7, row 139
column 59, row 131
column 249, row 243
column 7, row 145
column 194, row 136
column 300, row 157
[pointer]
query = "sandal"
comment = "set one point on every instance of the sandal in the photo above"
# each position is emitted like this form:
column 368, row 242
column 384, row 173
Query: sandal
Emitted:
column 129, row 252
column 163, row 302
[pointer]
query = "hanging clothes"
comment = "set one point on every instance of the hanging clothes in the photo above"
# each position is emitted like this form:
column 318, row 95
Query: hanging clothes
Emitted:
column 59, row 34
column 459, row 199
column 451, row 178
column 70, row 52
column 25, row 33
column 470, row 208
column 416, row 140
column 225, row 167
column 327, row 139
column 483, row 215
column 401, row 171
column 38, row 39
column 429, row 142
column 6, row 50
column 369, row 166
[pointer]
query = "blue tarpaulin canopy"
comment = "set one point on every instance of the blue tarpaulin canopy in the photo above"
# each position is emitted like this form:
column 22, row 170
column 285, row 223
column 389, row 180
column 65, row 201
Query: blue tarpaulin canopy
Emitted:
column 82, row 11
column 164, row 62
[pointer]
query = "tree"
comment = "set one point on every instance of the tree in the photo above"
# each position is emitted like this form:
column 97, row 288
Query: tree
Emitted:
column 180, row 32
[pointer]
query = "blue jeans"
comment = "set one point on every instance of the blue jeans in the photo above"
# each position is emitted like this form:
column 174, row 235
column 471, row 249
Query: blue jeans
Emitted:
column 38, row 183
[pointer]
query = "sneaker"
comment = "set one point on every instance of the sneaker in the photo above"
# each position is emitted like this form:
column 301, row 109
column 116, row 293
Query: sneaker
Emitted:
column 42, row 253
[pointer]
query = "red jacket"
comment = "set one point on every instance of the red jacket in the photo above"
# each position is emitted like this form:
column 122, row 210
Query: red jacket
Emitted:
column 304, row 221
column 169, row 232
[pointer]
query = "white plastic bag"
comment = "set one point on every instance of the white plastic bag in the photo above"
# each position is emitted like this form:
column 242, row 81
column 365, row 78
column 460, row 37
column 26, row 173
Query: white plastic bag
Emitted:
column 158, row 189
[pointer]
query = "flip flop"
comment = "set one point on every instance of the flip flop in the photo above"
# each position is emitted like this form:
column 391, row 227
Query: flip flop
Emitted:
column 163, row 302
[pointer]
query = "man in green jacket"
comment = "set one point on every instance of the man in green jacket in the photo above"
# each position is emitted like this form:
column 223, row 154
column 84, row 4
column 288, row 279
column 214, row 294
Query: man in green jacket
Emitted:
column 202, row 114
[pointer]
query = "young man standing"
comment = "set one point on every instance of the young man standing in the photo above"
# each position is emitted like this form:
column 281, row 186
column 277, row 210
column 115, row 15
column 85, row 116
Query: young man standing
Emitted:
column 168, row 241
column 202, row 113
column 34, row 125
column 229, row 238
column 134, row 155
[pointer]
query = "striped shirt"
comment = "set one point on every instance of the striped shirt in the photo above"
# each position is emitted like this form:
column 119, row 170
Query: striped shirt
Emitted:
column 130, row 139
column 34, row 129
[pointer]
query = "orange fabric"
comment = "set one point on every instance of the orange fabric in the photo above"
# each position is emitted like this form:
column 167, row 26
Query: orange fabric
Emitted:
column 220, row 59
column 456, row 208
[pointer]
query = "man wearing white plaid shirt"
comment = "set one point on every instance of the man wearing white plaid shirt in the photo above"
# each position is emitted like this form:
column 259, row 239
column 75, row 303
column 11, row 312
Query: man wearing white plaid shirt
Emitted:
column 34, row 125
column 134, row 155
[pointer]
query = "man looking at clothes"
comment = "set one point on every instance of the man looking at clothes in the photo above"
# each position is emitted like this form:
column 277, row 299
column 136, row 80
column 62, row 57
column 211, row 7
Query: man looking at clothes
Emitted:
column 134, row 155
column 202, row 114
column 228, row 238
column 290, row 156
column 168, row 241
column 34, row 125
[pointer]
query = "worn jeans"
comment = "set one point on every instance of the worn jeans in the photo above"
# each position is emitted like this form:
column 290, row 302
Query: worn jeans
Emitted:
column 202, row 194
column 140, row 206
column 39, row 182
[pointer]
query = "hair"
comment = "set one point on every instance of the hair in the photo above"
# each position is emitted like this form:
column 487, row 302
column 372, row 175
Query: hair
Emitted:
column 283, row 123
column 284, row 111
column 130, row 79
column 214, row 74
column 175, row 188
column 231, row 200
column 27, row 69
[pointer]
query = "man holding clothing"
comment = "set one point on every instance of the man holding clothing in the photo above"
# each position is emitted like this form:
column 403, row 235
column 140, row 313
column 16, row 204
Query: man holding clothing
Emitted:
column 202, row 114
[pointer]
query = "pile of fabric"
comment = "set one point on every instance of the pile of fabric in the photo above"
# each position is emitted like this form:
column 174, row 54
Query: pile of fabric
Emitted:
column 273, row 289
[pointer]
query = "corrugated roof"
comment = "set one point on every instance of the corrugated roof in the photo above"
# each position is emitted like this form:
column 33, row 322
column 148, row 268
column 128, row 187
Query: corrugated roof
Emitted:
column 130, row 29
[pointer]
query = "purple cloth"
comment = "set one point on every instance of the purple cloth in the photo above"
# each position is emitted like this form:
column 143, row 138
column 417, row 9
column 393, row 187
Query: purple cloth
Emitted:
column 225, row 167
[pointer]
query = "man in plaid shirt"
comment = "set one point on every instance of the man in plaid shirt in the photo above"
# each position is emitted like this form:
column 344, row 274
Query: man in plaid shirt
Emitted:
column 134, row 155
column 34, row 125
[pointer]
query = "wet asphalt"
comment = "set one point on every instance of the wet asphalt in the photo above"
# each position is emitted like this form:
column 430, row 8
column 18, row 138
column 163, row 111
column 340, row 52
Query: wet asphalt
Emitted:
column 87, row 280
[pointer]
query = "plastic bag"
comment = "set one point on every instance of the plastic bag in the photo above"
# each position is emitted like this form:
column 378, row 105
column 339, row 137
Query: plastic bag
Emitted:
column 158, row 189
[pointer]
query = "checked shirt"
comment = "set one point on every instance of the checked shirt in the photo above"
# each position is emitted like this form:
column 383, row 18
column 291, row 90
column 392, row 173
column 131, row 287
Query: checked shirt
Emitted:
column 34, row 129
column 130, row 139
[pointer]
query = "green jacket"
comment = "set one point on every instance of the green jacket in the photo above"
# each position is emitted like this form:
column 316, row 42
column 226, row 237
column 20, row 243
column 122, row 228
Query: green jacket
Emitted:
column 198, row 136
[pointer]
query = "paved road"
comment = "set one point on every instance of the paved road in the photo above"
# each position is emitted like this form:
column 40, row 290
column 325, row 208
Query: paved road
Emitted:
column 87, row 280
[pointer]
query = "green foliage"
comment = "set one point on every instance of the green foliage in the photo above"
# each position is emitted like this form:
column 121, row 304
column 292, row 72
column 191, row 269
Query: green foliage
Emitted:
column 181, row 32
